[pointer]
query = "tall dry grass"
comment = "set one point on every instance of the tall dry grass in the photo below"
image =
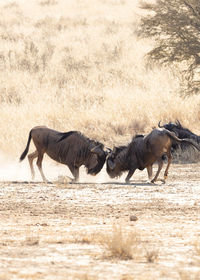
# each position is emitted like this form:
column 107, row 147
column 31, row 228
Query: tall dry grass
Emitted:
column 77, row 65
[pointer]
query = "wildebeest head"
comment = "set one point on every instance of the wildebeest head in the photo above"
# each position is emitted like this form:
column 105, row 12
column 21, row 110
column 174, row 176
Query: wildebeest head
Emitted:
column 96, row 158
column 122, row 157
column 115, row 163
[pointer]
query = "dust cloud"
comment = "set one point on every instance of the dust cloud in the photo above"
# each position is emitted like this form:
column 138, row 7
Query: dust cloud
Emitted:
column 13, row 170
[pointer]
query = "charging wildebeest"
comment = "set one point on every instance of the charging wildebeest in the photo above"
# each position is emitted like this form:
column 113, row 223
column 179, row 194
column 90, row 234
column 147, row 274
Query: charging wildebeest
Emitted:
column 142, row 152
column 71, row 148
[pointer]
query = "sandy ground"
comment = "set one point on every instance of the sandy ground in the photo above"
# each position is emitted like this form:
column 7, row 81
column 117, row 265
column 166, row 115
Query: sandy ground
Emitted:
column 65, row 231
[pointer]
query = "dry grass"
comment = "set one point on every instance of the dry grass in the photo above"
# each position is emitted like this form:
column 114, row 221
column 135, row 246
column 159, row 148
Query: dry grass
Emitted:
column 85, row 276
column 79, row 66
column 122, row 244
column 126, row 245
column 151, row 256
column 197, row 247
column 188, row 275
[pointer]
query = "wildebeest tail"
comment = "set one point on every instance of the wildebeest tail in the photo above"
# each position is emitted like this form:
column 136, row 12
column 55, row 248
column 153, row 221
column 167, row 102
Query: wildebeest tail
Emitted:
column 23, row 155
column 186, row 141
column 192, row 142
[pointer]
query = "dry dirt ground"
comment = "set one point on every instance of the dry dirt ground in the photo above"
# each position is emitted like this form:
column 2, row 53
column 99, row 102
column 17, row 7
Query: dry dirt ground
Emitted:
column 84, row 231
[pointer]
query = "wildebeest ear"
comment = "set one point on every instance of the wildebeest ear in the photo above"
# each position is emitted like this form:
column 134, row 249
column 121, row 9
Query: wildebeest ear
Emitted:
column 97, row 150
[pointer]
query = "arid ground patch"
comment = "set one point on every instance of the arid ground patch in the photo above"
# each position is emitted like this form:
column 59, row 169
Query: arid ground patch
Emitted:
column 83, row 231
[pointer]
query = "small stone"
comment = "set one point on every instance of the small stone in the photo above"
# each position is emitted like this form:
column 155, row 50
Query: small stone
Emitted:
column 133, row 218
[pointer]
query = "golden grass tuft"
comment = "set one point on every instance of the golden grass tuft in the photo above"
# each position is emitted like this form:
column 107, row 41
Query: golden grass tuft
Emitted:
column 122, row 245
column 151, row 256
column 85, row 238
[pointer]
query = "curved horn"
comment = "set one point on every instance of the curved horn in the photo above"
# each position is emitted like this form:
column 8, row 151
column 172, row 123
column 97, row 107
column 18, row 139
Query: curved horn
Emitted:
column 97, row 150
column 160, row 125
column 108, row 150
column 111, row 164
column 178, row 123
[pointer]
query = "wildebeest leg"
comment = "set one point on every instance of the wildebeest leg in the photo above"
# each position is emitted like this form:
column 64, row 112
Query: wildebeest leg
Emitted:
column 160, row 165
column 130, row 173
column 149, row 171
column 39, row 164
column 30, row 159
column 75, row 172
column 169, row 156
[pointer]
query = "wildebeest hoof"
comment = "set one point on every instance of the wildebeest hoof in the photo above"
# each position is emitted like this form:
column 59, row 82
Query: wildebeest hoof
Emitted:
column 45, row 181
column 73, row 181
column 149, row 182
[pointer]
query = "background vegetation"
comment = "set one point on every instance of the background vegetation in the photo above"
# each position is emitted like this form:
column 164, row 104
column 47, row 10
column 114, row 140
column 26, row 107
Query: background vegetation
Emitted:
column 79, row 65
column 175, row 26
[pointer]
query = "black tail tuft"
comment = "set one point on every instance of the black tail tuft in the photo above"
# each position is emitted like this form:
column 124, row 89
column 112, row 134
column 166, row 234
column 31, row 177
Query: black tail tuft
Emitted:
column 23, row 155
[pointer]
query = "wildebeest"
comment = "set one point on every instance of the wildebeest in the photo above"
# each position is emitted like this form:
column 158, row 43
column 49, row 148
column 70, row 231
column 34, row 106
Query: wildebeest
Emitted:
column 71, row 148
column 142, row 152
column 180, row 131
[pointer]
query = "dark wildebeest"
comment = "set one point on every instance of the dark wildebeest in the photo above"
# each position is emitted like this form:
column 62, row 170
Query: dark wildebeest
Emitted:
column 71, row 148
column 180, row 131
column 142, row 152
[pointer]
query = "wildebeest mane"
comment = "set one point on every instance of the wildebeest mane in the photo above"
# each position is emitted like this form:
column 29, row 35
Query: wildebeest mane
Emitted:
column 92, row 142
column 65, row 135
column 137, row 136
